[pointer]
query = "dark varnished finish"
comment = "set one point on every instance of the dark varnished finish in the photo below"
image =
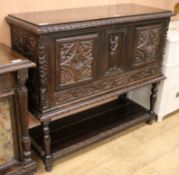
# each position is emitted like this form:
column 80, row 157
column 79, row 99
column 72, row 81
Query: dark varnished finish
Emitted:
column 12, row 61
column 87, row 14
column 153, row 99
column 14, row 73
column 47, row 145
column 86, row 60
column 84, row 128
column 63, row 20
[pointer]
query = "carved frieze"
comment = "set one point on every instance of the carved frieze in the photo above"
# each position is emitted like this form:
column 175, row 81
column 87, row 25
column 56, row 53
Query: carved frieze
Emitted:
column 147, row 44
column 75, row 59
column 104, row 85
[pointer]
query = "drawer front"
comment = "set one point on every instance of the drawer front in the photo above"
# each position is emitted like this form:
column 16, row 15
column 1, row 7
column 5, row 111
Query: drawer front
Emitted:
column 6, row 84
column 75, row 60
column 147, row 42
column 104, row 85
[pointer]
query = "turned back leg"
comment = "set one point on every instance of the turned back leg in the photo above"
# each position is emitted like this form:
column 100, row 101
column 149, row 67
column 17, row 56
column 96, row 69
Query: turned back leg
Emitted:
column 153, row 98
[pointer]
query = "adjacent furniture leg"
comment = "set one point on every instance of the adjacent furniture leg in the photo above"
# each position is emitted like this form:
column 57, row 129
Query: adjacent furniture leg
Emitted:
column 153, row 98
column 47, row 143
column 22, row 107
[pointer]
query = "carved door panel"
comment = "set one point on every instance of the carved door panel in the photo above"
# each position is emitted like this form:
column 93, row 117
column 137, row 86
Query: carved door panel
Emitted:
column 75, row 60
column 115, row 42
column 147, row 41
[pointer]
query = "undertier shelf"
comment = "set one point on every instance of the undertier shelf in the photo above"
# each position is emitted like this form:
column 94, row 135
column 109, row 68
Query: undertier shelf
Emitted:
column 79, row 130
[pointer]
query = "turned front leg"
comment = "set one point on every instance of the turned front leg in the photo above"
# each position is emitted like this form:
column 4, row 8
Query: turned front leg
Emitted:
column 47, row 143
column 153, row 98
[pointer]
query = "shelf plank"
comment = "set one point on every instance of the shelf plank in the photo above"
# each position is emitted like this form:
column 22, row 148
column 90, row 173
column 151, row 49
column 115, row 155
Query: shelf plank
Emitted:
column 82, row 129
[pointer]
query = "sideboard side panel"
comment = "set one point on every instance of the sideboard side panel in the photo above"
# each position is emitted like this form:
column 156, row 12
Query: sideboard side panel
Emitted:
column 34, row 48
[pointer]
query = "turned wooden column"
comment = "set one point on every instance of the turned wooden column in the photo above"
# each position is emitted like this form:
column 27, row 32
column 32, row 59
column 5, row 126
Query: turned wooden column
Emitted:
column 22, row 108
column 47, row 143
column 153, row 98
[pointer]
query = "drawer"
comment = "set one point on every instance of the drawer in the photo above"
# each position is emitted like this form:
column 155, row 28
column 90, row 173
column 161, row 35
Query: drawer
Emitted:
column 172, row 100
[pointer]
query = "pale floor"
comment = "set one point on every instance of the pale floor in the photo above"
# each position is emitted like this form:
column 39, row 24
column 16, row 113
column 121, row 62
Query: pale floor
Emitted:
column 145, row 150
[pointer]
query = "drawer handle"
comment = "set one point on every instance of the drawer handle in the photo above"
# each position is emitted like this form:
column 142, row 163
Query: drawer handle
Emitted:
column 177, row 94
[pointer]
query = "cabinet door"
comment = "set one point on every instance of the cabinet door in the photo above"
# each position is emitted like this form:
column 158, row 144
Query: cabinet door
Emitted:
column 6, row 138
column 75, row 60
column 146, row 44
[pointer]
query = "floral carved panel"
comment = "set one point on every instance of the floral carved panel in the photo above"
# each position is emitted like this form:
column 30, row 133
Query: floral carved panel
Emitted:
column 147, row 44
column 6, row 143
column 75, row 58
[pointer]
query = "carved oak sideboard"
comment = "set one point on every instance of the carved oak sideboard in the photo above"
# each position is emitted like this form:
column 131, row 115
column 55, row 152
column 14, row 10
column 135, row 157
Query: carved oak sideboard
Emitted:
column 15, row 144
column 87, row 60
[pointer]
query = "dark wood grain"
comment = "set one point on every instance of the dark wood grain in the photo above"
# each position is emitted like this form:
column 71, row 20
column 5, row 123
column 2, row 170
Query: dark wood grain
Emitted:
column 11, row 61
column 87, row 57
column 87, row 127
column 87, row 14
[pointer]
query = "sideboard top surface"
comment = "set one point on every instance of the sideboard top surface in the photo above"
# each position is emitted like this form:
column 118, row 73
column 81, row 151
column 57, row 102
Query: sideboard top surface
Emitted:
column 86, row 13
column 12, row 61
column 79, row 18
